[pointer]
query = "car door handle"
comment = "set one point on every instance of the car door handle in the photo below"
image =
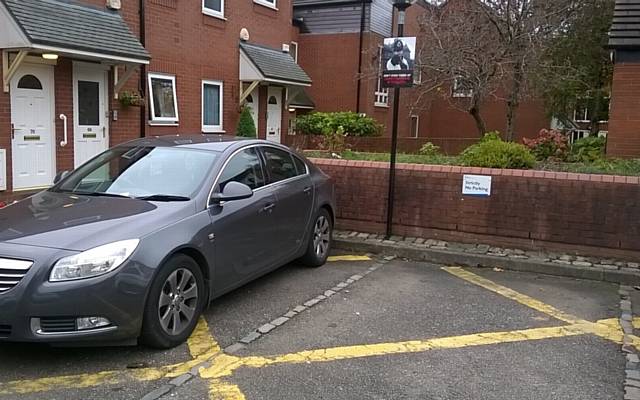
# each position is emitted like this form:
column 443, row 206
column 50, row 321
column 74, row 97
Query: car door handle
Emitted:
column 307, row 190
column 268, row 208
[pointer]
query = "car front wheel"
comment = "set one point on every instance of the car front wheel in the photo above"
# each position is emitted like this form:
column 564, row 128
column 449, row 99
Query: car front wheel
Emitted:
column 175, row 303
column 320, row 240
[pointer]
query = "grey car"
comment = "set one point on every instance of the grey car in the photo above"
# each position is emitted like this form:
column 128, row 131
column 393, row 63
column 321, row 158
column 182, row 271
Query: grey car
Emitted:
column 135, row 243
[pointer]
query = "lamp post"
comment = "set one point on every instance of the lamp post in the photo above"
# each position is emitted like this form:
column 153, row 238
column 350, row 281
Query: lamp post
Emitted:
column 401, row 6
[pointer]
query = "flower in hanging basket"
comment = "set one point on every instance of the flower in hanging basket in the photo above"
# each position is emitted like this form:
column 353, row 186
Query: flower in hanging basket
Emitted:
column 130, row 99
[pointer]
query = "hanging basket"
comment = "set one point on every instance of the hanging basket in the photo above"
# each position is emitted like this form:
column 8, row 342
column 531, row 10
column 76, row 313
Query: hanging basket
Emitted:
column 130, row 99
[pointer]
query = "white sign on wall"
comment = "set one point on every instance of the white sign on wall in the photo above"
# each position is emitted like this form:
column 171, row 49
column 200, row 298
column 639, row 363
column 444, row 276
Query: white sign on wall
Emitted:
column 3, row 169
column 476, row 185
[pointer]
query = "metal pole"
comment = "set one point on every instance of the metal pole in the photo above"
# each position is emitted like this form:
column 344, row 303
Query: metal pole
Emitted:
column 394, row 140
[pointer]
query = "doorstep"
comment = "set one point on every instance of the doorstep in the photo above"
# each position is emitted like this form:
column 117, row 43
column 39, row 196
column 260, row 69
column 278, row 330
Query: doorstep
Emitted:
column 481, row 255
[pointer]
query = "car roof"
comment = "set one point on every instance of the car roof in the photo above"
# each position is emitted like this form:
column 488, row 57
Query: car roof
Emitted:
column 219, row 143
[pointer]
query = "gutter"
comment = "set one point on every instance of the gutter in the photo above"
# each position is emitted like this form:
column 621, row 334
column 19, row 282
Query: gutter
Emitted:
column 143, row 72
column 362, row 23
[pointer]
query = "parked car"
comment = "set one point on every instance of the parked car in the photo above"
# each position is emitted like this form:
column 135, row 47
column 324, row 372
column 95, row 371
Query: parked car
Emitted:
column 136, row 242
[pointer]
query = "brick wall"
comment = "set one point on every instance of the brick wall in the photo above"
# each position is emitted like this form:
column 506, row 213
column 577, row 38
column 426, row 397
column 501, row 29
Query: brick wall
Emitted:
column 624, row 121
column 593, row 214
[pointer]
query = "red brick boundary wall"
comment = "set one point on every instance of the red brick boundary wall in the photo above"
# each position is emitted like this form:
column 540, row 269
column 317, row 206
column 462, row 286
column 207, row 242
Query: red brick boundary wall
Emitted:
column 589, row 214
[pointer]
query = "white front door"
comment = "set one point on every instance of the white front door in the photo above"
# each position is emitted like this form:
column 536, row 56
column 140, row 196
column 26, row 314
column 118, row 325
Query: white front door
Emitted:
column 89, row 112
column 274, row 114
column 253, row 103
column 33, row 127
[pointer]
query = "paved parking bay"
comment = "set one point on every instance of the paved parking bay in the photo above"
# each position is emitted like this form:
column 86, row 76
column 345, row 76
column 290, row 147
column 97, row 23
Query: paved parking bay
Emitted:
column 361, row 328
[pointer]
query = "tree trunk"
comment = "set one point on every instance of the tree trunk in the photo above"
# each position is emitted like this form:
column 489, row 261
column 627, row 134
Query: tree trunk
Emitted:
column 475, row 113
column 513, row 102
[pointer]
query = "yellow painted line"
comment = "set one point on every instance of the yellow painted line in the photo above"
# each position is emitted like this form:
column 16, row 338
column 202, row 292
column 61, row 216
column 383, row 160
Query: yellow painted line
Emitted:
column 222, row 390
column 348, row 258
column 513, row 295
column 201, row 341
column 225, row 365
column 636, row 323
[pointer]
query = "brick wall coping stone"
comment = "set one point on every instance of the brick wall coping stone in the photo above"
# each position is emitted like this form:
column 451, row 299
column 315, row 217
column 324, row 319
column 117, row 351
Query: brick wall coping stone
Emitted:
column 634, row 180
column 482, row 255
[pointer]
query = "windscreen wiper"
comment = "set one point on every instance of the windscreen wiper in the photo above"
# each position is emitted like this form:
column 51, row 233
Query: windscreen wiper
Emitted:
column 164, row 197
column 98, row 194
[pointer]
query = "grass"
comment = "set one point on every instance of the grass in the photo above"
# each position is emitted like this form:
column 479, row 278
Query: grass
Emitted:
column 604, row 166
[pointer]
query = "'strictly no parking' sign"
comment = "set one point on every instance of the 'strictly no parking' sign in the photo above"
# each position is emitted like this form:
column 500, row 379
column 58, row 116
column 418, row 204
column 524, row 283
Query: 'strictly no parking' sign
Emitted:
column 476, row 185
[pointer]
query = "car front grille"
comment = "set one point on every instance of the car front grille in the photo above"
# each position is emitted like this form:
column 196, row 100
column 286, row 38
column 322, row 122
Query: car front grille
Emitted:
column 12, row 272
column 5, row 331
column 57, row 324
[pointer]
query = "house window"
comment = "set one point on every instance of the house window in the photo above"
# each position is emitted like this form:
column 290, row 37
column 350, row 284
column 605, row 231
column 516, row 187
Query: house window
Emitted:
column 584, row 110
column 214, row 8
column 212, row 106
column 415, row 125
column 461, row 88
column 164, row 102
column 266, row 3
column 382, row 93
column 293, row 50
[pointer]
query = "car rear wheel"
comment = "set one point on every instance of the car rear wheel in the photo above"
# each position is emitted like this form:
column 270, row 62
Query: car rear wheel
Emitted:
column 319, row 241
column 175, row 303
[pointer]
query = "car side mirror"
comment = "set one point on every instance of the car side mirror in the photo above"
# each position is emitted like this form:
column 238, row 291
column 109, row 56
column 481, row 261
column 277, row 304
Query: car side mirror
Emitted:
column 60, row 176
column 233, row 191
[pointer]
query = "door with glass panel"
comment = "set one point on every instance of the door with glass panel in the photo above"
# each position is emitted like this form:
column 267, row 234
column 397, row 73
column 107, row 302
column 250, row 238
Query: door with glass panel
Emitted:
column 91, row 136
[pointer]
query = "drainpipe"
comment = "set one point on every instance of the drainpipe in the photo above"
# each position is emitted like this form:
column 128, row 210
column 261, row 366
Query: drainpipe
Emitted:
column 143, row 72
column 362, row 22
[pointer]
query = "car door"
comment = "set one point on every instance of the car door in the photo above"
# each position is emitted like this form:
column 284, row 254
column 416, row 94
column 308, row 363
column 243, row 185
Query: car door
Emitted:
column 242, row 228
column 294, row 193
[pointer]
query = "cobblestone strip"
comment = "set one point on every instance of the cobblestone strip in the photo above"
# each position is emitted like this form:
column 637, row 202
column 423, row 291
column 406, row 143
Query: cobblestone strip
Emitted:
column 167, row 389
column 632, row 370
column 482, row 255
column 542, row 256
column 292, row 313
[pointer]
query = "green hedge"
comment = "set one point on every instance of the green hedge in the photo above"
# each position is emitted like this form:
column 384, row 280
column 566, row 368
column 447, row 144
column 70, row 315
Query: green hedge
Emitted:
column 349, row 123
column 493, row 152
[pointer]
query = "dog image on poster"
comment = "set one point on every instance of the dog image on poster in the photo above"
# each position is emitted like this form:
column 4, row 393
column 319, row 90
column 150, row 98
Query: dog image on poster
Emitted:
column 398, row 59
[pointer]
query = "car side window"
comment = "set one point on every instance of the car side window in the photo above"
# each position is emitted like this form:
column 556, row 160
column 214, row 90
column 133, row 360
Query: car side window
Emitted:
column 301, row 167
column 279, row 164
column 245, row 168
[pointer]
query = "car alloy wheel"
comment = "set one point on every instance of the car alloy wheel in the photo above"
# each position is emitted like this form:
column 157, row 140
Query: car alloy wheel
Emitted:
column 321, row 236
column 178, row 302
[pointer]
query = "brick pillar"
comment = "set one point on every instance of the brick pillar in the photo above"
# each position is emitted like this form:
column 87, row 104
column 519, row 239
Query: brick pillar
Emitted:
column 624, row 120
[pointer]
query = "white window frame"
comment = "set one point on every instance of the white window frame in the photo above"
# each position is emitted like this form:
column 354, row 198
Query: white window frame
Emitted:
column 213, row 13
column 417, row 132
column 381, row 93
column 295, row 44
column 457, row 92
column 165, row 120
column 584, row 118
column 213, row 128
column 267, row 3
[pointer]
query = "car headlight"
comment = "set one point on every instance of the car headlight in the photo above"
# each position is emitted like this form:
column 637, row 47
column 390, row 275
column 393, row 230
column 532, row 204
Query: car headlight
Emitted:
column 95, row 262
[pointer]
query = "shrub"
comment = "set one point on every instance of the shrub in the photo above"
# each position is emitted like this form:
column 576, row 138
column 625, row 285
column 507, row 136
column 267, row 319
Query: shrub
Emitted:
column 550, row 144
column 490, row 136
column 492, row 152
column 352, row 124
column 246, row 126
column 588, row 149
column 430, row 149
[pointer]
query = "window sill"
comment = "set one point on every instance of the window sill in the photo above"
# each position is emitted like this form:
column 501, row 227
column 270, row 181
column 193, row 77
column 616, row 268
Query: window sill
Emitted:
column 381, row 105
column 266, row 4
column 213, row 14
column 157, row 123
column 212, row 130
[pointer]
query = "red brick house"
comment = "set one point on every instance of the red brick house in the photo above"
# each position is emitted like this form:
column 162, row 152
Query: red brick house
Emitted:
column 624, row 123
column 82, row 75
column 339, row 29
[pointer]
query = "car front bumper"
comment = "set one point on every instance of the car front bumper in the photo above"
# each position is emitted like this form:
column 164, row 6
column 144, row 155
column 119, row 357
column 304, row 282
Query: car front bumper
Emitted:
column 118, row 296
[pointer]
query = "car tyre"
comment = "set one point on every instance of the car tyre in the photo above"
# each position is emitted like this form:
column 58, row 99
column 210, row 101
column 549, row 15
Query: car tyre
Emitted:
column 320, row 240
column 175, row 303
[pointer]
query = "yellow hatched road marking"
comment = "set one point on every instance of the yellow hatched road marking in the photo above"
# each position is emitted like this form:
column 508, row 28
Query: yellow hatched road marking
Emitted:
column 203, row 347
column 348, row 258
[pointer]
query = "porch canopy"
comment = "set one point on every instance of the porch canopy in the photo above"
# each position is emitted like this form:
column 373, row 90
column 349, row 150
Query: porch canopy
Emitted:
column 264, row 65
column 66, row 29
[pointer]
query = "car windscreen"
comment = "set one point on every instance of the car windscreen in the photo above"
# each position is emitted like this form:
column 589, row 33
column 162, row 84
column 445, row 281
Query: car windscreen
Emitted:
column 142, row 172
